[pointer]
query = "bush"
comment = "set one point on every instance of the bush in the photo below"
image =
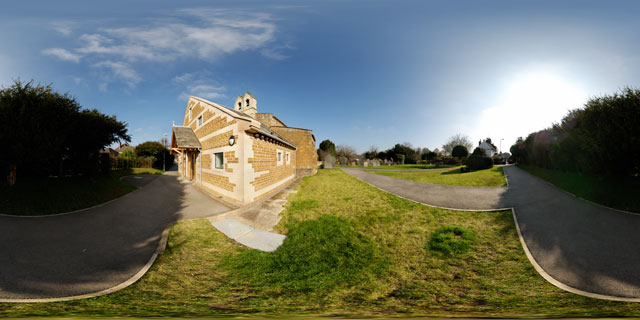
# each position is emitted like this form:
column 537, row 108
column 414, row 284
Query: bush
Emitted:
column 155, row 151
column 460, row 152
column 400, row 158
column 497, row 160
column 475, row 162
column 318, row 255
column 450, row 240
column 603, row 137
column 45, row 133
column 479, row 152
column 449, row 161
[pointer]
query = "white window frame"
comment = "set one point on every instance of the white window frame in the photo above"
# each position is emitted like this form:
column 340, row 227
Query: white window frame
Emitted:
column 288, row 158
column 190, row 113
column 200, row 120
column 215, row 160
column 279, row 157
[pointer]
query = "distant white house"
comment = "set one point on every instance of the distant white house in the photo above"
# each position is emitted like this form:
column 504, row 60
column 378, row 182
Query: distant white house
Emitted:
column 488, row 147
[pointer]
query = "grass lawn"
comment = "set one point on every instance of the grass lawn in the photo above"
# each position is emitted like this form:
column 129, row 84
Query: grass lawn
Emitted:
column 53, row 195
column 611, row 192
column 493, row 177
column 406, row 166
column 351, row 249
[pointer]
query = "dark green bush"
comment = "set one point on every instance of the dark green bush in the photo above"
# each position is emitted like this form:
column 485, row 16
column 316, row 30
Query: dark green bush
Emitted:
column 450, row 240
column 475, row 162
column 460, row 152
column 603, row 137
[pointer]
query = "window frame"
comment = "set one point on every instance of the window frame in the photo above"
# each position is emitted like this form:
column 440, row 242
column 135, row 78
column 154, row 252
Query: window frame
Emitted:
column 288, row 158
column 279, row 157
column 215, row 160
column 200, row 120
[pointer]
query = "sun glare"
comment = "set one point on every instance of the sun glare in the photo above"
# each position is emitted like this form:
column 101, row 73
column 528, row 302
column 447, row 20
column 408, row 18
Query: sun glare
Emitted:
column 530, row 102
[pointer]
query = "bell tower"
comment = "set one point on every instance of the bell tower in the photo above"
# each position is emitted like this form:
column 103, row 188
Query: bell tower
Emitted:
column 247, row 104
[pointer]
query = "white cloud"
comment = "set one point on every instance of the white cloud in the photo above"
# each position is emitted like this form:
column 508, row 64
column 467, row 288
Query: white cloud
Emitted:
column 203, row 91
column 62, row 54
column 120, row 70
column 64, row 27
column 207, row 37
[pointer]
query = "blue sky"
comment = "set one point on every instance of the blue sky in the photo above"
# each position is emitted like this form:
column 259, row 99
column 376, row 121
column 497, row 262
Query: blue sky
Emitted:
column 361, row 73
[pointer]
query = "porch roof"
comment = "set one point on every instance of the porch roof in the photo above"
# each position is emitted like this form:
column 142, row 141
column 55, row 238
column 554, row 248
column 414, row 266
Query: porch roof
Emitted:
column 185, row 138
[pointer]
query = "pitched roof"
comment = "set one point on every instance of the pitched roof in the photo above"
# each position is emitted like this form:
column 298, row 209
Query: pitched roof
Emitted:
column 186, row 138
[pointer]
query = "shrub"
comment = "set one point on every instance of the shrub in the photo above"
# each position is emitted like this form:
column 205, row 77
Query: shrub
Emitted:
column 460, row 152
column 479, row 152
column 318, row 255
column 400, row 158
column 497, row 160
column 479, row 162
column 155, row 151
column 450, row 240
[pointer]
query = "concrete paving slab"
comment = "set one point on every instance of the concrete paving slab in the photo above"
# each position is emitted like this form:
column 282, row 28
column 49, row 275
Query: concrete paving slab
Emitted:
column 262, row 240
column 232, row 228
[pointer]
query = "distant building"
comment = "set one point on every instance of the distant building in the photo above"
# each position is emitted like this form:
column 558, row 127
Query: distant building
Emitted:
column 240, row 154
column 488, row 147
column 112, row 153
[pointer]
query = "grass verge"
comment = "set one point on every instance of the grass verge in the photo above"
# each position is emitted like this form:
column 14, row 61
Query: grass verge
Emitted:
column 611, row 192
column 493, row 177
column 33, row 197
column 405, row 166
column 379, row 238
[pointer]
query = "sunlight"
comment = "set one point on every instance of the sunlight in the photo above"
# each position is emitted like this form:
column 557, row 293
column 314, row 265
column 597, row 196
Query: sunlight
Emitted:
column 530, row 102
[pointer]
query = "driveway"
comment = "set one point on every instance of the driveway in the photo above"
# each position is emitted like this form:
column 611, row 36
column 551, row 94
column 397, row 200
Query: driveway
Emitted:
column 576, row 245
column 96, row 249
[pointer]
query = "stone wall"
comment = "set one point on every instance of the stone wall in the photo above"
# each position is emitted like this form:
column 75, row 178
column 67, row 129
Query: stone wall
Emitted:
column 306, row 154
column 265, row 162
column 269, row 119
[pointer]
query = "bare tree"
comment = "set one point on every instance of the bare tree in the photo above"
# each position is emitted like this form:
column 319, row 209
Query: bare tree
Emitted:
column 457, row 140
column 346, row 151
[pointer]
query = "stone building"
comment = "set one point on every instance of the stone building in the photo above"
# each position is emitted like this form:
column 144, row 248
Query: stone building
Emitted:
column 239, row 154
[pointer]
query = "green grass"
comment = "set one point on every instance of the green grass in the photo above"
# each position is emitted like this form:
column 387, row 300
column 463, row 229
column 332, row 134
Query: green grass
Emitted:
column 493, row 177
column 405, row 166
column 340, row 227
column 617, row 193
column 32, row 197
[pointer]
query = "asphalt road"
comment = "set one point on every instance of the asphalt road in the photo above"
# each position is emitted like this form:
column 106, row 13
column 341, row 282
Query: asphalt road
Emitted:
column 95, row 249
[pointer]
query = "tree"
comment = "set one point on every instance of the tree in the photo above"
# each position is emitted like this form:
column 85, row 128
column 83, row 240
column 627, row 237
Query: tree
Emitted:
column 517, row 150
column 326, row 146
column 372, row 153
column 431, row 156
column 459, row 152
column 45, row 133
column 346, row 151
column 457, row 140
column 156, row 151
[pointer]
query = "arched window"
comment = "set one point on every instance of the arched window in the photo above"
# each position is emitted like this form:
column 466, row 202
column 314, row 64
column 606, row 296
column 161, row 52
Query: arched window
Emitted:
column 239, row 105
column 247, row 102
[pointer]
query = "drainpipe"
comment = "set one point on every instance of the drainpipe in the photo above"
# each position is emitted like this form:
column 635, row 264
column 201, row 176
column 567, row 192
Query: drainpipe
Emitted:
column 200, row 156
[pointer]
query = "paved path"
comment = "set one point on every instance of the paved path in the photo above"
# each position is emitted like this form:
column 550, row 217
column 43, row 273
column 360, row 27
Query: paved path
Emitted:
column 95, row 249
column 579, row 246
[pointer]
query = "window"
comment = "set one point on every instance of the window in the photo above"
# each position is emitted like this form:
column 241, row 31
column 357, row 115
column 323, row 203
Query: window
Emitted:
column 279, row 155
column 190, row 114
column 200, row 120
column 247, row 102
column 219, row 160
column 287, row 158
column 239, row 105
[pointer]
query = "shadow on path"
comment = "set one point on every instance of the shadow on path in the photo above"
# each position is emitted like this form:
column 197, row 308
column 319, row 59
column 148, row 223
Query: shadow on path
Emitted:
column 94, row 249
